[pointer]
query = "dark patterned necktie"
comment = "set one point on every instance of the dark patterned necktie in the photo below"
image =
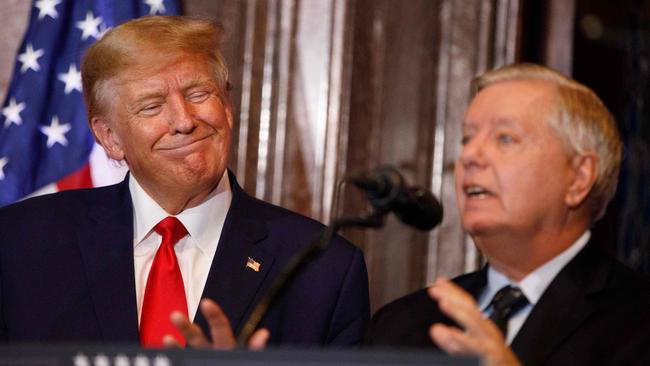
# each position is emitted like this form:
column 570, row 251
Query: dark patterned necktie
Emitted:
column 505, row 303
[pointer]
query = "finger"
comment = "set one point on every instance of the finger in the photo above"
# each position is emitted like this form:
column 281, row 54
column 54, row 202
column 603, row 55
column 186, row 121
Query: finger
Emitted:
column 468, row 318
column 170, row 342
column 193, row 334
column 443, row 288
column 220, row 330
column 258, row 340
column 460, row 306
column 454, row 341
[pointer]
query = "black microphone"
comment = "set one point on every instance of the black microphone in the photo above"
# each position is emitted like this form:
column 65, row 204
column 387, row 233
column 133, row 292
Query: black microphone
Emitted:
column 387, row 190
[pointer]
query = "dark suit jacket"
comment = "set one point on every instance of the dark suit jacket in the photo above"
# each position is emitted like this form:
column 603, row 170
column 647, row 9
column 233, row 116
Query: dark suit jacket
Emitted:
column 595, row 312
column 66, row 271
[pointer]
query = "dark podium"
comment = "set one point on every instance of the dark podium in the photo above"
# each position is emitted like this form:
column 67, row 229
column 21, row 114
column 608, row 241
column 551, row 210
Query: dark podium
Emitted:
column 102, row 355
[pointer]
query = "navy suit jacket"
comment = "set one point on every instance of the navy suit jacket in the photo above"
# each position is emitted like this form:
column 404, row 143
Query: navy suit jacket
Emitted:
column 66, row 271
column 595, row 312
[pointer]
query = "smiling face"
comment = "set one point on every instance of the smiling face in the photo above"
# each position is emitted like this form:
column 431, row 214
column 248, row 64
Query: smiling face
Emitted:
column 514, row 173
column 167, row 121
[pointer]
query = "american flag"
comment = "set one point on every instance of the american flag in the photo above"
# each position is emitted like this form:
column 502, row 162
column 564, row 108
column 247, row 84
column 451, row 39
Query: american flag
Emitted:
column 45, row 142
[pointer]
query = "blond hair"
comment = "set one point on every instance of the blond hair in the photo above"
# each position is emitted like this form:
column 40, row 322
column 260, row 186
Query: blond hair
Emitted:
column 133, row 43
column 582, row 121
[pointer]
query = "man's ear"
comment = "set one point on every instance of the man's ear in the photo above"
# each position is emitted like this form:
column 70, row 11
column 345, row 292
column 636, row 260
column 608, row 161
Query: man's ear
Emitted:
column 585, row 167
column 107, row 137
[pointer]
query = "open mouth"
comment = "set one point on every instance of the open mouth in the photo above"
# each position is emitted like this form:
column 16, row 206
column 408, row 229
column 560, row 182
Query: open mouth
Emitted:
column 474, row 191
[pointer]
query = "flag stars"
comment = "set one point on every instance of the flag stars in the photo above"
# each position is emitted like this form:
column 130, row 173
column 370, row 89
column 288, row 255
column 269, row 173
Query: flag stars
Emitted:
column 29, row 59
column 72, row 79
column 155, row 7
column 47, row 8
column 12, row 113
column 89, row 26
column 55, row 132
column 3, row 161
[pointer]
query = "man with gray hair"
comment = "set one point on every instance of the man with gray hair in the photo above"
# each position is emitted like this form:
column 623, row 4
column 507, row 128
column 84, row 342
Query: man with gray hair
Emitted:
column 538, row 165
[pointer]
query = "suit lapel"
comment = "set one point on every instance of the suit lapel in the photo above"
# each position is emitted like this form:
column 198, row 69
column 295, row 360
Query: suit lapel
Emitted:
column 106, row 245
column 231, row 283
column 474, row 282
column 563, row 307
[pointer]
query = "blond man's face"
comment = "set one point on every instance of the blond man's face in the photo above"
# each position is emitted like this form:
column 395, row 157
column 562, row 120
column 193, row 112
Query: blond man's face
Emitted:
column 167, row 121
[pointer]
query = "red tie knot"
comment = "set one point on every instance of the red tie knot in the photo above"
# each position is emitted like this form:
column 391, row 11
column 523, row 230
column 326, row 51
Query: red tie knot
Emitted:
column 171, row 229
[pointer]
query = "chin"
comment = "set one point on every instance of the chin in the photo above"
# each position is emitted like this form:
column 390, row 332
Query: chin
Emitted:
column 480, row 227
column 201, row 177
column 196, row 165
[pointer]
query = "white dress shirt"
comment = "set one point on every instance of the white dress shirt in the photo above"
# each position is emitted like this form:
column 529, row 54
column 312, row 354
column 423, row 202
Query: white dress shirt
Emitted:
column 194, row 252
column 533, row 285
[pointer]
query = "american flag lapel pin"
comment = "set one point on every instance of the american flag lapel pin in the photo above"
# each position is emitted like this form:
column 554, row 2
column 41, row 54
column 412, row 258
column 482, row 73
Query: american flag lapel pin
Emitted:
column 253, row 264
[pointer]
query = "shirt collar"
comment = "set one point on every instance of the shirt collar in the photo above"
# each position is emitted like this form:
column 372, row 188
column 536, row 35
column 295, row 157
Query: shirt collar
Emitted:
column 536, row 282
column 200, row 221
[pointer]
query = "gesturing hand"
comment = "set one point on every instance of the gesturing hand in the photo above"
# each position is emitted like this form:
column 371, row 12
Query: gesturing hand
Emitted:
column 220, row 330
column 480, row 337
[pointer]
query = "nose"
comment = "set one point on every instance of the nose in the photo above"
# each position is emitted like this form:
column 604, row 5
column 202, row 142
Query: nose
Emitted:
column 181, row 119
column 474, row 152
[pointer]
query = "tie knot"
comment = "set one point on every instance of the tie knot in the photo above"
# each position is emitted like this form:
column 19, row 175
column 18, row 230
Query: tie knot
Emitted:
column 171, row 229
column 507, row 301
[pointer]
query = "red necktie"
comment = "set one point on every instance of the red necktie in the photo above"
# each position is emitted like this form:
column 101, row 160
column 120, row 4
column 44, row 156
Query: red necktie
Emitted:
column 164, row 292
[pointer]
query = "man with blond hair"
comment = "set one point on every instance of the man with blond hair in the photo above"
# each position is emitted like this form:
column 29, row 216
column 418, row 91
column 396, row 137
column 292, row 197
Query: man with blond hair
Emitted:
column 177, row 252
column 539, row 162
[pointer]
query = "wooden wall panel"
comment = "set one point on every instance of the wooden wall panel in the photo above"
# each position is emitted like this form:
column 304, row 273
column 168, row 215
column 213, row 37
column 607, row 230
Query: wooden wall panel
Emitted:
column 324, row 88
column 391, row 122
column 412, row 65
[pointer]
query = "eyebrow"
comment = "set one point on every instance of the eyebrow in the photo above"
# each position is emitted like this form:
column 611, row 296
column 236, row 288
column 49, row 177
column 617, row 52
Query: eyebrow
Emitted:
column 196, row 80
column 138, row 101
column 508, row 122
column 159, row 92
column 500, row 122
